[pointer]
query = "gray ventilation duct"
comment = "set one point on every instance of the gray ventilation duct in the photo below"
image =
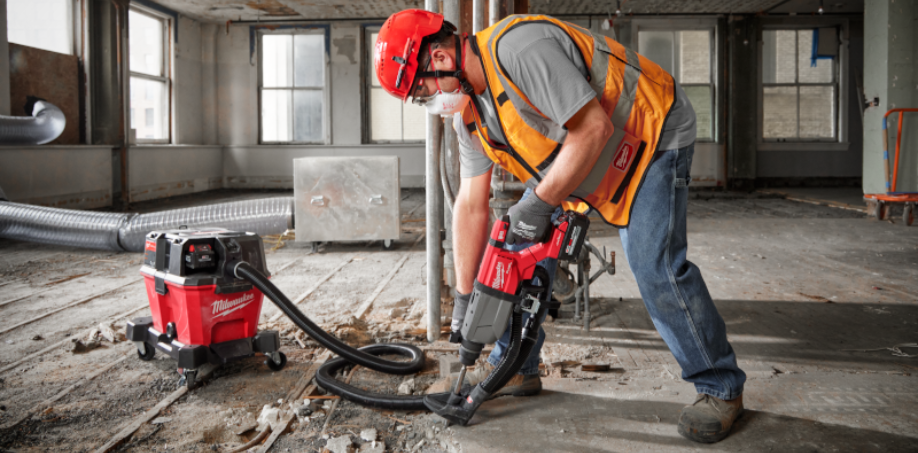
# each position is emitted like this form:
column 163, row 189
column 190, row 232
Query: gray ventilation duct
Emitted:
column 46, row 124
column 126, row 232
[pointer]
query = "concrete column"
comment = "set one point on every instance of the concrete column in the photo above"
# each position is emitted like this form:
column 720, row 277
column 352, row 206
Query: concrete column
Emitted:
column 4, row 63
column 742, row 46
column 890, row 74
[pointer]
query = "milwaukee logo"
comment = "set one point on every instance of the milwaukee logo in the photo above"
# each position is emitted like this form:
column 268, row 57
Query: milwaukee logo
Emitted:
column 502, row 271
column 225, row 307
column 498, row 282
column 623, row 156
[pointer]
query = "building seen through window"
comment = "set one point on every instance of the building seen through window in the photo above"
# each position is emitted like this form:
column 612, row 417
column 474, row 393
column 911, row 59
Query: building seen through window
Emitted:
column 799, row 93
column 293, row 80
column 688, row 56
column 149, row 77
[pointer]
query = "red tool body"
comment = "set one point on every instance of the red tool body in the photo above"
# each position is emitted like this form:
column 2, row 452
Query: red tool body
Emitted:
column 505, row 280
column 504, row 270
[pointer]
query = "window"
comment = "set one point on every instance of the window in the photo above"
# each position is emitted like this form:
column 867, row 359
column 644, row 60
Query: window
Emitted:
column 689, row 56
column 799, row 99
column 150, row 81
column 293, row 80
column 43, row 24
column 390, row 119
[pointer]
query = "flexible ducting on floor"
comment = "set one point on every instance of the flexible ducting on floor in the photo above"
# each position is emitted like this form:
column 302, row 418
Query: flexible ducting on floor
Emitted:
column 125, row 232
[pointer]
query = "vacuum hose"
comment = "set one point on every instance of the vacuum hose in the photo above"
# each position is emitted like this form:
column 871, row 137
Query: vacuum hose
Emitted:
column 248, row 272
column 368, row 355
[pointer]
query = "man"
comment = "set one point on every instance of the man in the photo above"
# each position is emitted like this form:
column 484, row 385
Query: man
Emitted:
column 586, row 124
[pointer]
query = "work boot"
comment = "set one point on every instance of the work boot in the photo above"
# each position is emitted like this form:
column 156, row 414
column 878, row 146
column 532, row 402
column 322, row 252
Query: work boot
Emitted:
column 709, row 419
column 519, row 385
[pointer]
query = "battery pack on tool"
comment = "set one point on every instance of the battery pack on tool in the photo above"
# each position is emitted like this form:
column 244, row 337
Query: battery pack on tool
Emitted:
column 200, row 312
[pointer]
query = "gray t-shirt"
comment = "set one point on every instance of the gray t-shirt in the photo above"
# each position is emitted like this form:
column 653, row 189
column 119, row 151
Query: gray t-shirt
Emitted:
column 547, row 67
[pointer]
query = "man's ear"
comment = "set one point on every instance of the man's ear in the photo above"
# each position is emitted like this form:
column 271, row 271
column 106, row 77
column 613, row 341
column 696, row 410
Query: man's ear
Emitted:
column 442, row 58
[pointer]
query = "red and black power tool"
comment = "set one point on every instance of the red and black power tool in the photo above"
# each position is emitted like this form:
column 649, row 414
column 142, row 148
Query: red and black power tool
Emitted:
column 506, row 278
column 509, row 283
column 201, row 312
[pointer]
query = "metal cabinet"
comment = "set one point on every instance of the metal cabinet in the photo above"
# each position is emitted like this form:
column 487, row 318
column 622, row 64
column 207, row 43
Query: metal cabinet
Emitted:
column 346, row 198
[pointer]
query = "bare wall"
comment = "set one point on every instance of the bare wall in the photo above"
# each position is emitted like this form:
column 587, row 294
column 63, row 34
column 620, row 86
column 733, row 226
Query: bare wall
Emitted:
column 187, row 83
column 168, row 171
column 57, row 176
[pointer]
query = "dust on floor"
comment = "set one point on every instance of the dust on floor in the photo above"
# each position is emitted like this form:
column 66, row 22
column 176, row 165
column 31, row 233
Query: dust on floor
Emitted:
column 802, row 288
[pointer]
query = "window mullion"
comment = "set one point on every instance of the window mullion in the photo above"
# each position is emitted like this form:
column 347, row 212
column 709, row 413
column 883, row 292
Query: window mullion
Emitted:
column 292, row 110
column 798, row 112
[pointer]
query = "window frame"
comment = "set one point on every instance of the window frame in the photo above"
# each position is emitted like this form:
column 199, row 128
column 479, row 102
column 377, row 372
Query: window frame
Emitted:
column 311, row 29
column 166, row 71
column 840, row 142
column 711, row 24
column 367, row 31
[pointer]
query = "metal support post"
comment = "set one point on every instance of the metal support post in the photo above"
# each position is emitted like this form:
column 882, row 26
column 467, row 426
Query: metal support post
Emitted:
column 493, row 12
column 450, row 155
column 434, row 217
column 477, row 16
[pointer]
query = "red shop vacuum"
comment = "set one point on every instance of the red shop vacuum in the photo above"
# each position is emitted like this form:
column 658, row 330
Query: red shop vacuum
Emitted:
column 201, row 313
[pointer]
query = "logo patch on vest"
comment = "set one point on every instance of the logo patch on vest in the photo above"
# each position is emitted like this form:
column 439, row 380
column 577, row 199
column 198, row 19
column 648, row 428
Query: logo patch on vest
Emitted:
column 623, row 156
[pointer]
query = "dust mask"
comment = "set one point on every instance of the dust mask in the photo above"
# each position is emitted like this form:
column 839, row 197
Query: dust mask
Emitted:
column 446, row 104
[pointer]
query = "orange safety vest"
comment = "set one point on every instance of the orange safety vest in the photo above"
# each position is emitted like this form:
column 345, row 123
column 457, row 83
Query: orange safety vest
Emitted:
column 635, row 92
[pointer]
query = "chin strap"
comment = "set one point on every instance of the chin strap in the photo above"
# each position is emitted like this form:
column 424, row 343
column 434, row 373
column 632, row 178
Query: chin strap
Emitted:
column 458, row 73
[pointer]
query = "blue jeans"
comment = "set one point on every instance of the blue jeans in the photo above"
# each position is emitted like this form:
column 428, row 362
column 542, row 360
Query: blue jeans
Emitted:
column 676, row 297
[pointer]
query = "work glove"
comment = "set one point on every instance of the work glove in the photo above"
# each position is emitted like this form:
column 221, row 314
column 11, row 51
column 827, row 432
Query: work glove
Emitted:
column 530, row 220
column 460, row 306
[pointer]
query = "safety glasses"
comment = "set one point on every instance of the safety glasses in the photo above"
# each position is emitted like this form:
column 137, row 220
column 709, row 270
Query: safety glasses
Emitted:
column 422, row 99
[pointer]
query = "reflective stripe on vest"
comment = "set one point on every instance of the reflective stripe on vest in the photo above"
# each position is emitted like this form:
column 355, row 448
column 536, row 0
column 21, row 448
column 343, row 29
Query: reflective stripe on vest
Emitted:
column 598, row 72
column 635, row 94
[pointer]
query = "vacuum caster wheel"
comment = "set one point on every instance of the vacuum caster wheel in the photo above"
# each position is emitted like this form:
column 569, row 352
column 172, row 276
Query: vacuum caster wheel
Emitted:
column 188, row 379
column 146, row 353
column 276, row 361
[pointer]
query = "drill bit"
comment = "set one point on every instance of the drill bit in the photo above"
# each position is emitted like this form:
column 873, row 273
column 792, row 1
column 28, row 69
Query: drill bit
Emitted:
column 461, row 378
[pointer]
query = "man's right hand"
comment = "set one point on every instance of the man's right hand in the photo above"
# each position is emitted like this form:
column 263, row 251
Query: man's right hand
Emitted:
column 530, row 220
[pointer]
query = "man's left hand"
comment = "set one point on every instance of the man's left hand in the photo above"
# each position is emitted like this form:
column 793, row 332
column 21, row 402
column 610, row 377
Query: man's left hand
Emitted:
column 530, row 220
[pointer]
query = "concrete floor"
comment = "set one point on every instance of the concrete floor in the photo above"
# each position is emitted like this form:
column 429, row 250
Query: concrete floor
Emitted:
column 799, row 285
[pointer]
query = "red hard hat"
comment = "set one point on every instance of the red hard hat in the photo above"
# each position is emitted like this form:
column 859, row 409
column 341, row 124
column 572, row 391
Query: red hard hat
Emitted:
column 397, row 47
